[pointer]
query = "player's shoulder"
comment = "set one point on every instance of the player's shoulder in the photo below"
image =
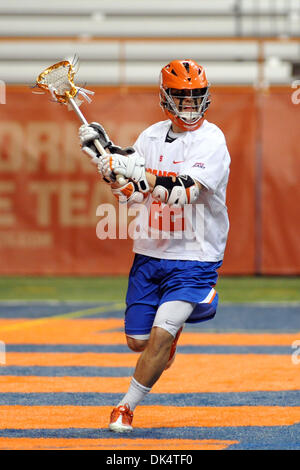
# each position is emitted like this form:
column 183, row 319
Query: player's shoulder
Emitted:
column 210, row 131
column 157, row 129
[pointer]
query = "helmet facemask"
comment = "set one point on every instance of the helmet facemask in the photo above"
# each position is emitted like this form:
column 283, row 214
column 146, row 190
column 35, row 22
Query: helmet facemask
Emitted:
column 184, row 93
column 188, row 105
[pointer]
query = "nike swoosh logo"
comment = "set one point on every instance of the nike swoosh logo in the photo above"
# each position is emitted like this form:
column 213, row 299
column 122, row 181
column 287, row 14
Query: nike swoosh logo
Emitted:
column 181, row 161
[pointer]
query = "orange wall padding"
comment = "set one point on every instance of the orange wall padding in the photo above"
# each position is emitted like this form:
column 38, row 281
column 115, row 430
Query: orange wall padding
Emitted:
column 49, row 191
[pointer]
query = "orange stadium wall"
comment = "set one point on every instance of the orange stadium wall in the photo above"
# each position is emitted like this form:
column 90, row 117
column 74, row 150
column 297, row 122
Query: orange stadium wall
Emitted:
column 49, row 191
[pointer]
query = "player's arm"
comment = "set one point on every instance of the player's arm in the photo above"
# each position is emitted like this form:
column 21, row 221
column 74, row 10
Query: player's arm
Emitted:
column 178, row 190
column 136, row 188
column 174, row 190
column 130, row 191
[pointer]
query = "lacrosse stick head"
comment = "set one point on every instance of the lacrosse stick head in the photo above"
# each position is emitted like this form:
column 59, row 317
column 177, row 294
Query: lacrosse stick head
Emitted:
column 58, row 79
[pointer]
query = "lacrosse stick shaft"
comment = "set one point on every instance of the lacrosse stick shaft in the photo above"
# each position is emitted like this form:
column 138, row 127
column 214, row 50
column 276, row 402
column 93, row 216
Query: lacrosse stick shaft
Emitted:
column 121, row 180
column 84, row 121
column 77, row 111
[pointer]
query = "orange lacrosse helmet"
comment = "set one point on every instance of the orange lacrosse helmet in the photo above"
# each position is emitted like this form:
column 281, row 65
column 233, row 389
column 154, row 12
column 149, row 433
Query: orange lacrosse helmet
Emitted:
column 185, row 81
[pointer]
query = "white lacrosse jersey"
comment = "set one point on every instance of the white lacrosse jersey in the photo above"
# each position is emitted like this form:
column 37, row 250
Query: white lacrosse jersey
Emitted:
column 197, row 231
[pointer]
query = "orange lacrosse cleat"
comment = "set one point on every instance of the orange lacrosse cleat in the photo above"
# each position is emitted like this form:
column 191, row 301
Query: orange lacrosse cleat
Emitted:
column 121, row 419
column 173, row 349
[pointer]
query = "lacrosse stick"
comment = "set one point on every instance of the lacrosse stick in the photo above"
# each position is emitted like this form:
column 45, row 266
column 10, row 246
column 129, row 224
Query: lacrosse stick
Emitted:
column 58, row 79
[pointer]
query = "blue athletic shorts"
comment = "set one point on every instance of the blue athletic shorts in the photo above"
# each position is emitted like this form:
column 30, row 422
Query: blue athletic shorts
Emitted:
column 153, row 281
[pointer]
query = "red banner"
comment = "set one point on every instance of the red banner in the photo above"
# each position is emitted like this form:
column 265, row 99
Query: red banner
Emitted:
column 49, row 191
column 281, row 188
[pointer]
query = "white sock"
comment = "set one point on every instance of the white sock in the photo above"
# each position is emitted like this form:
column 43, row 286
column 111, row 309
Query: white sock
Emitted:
column 135, row 394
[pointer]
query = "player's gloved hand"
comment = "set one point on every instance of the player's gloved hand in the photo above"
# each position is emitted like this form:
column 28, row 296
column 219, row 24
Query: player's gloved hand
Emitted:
column 131, row 167
column 89, row 132
column 109, row 176
column 128, row 193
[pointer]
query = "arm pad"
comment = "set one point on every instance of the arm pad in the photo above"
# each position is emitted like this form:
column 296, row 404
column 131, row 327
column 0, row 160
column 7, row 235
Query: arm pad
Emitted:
column 184, row 190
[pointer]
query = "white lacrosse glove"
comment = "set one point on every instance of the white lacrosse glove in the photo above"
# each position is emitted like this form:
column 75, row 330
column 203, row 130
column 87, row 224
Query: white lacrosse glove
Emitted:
column 129, row 193
column 109, row 176
column 87, row 135
column 131, row 167
column 89, row 132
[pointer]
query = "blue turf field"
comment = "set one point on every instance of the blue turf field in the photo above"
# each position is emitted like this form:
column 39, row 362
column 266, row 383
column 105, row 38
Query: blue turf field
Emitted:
column 233, row 384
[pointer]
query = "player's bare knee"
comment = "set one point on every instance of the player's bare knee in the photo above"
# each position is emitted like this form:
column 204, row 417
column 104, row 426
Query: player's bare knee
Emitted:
column 136, row 345
column 160, row 340
column 161, row 334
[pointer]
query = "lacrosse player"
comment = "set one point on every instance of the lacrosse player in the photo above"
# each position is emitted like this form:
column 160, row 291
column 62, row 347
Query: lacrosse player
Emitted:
column 179, row 163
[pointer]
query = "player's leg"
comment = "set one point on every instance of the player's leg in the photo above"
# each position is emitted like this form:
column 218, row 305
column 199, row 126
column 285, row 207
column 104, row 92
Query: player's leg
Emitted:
column 168, row 322
column 138, row 323
column 152, row 362
column 190, row 283
column 139, row 319
column 142, row 300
